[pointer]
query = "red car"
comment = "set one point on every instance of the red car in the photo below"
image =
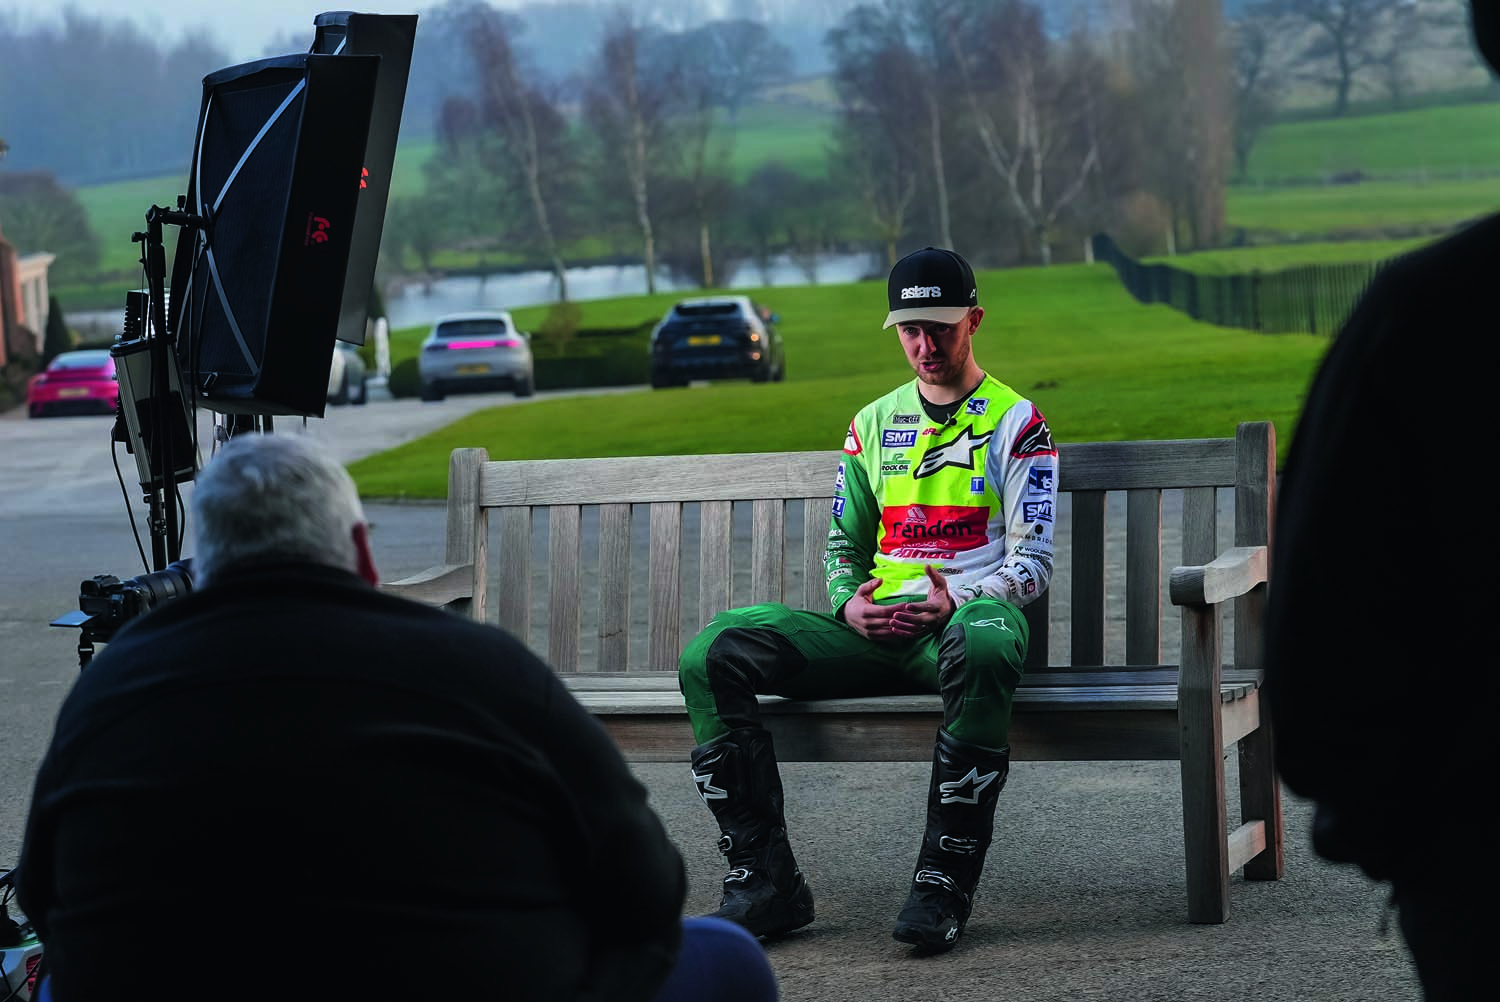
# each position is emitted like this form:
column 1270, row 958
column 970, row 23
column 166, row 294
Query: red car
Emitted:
column 77, row 382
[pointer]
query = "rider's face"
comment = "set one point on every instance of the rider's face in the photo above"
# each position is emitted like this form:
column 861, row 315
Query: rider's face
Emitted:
column 939, row 353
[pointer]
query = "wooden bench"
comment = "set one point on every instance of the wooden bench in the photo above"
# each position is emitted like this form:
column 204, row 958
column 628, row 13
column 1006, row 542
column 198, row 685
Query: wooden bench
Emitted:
column 1083, row 709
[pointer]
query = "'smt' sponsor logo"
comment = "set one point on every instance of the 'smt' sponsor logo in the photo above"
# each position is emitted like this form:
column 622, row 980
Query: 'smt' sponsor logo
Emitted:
column 1036, row 511
column 892, row 438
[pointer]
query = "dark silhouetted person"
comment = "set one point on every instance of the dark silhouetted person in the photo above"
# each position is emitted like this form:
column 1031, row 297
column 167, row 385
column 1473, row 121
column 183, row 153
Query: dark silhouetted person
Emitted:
column 289, row 784
column 1380, row 657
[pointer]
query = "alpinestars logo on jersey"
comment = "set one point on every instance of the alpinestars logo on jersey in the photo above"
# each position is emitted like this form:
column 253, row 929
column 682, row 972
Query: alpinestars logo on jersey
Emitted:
column 1035, row 439
column 959, row 453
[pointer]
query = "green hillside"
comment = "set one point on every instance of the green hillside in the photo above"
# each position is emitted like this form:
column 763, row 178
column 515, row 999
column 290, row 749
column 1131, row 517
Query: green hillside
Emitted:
column 1100, row 365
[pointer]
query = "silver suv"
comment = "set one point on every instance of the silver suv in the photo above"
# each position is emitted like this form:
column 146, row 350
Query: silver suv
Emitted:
column 471, row 352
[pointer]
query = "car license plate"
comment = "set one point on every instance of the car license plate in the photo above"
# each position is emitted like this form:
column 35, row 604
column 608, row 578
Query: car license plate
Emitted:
column 74, row 391
column 473, row 370
column 703, row 340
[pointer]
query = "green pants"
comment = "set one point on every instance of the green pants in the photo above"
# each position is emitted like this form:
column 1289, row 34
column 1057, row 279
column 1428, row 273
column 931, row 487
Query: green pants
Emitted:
column 974, row 662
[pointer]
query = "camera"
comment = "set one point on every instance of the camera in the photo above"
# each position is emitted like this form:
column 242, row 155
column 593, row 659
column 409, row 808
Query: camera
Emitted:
column 106, row 603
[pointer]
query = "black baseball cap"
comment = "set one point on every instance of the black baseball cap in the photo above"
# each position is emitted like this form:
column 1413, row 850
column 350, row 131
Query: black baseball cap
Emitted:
column 931, row 284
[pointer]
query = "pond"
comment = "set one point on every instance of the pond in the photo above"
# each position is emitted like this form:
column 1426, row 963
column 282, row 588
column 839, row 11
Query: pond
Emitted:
column 415, row 304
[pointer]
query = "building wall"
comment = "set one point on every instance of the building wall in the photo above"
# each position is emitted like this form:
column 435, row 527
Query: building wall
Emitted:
column 10, row 296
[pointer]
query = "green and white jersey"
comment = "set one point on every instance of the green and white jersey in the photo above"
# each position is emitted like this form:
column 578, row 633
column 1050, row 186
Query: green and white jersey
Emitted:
column 974, row 498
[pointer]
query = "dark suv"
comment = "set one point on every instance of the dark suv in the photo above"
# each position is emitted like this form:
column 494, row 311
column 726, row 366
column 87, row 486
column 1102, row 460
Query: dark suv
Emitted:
column 726, row 337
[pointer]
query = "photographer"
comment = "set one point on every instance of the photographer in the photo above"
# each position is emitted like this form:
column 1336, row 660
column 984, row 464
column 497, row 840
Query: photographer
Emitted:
column 287, row 782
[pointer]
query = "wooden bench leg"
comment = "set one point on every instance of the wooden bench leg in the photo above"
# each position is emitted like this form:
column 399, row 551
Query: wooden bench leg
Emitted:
column 1204, row 811
column 1260, row 800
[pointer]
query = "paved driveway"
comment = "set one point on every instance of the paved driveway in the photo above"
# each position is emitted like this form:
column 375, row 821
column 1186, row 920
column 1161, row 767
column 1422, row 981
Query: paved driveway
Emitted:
column 1083, row 896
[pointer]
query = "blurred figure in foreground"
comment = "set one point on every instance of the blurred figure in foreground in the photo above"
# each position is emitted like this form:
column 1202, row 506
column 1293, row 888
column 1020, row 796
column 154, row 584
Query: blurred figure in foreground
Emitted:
column 1376, row 704
column 289, row 783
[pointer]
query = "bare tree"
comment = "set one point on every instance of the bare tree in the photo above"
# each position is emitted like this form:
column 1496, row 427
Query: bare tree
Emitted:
column 534, row 142
column 43, row 215
column 706, row 82
column 1181, row 74
column 735, row 59
column 1254, row 87
column 628, row 104
column 909, row 35
column 1346, row 37
column 1033, row 110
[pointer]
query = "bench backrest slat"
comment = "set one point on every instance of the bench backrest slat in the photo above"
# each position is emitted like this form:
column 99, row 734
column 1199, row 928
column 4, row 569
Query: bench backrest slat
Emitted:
column 767, row 550
column 1254, row 498
column 1200, row 524
column 716, row 560
column 565, row 589
column 1038, row 613
column 665, row 586
column 614, row 587
column 515, row 569
column 816, row 513
column 1143, row 576
column 1087, row 613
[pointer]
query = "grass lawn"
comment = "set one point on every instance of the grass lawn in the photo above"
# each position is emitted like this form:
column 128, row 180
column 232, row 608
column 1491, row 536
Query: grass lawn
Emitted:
column 1101, row 366
column 1275, row 257
column 1321, row 211
column 1452, row 140
column 117, row 210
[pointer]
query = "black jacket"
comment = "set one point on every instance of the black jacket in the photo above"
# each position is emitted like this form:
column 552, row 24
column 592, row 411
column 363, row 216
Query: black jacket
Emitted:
column 1380, row 649
column 288, row 784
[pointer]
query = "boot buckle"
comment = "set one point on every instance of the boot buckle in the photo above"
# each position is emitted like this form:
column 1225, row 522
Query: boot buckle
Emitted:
column 939, row 878
column 726, row 843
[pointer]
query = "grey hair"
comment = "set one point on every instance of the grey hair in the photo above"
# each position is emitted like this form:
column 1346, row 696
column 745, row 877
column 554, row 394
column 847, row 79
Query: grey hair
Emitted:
column 272, row 498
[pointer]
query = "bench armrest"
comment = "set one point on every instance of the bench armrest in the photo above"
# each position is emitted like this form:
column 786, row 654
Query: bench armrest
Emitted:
column 1231, row 574
column 441, row 585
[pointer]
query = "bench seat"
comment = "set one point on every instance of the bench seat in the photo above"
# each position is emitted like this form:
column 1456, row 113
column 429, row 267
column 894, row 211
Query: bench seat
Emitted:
column 587, row 577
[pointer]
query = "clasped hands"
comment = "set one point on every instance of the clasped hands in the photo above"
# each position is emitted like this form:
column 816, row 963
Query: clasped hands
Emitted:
column 900, row 621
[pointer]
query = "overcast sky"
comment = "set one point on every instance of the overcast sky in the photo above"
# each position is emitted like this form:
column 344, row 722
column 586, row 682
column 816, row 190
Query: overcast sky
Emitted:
column 243, row 27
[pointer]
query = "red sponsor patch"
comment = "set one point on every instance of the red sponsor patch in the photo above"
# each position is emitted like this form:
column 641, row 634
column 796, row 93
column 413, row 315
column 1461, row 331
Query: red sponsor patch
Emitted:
column 1035, row 439
column 930, row 526
column 851, row 441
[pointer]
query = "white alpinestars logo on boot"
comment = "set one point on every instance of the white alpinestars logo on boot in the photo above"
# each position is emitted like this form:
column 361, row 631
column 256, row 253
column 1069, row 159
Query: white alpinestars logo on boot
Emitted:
column 706, row 788
column 953, row 792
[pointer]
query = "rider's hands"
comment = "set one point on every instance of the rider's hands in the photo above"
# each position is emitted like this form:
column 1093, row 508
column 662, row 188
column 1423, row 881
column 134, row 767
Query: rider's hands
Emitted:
column 868, row 619
column 916, row 618
column 903, row 621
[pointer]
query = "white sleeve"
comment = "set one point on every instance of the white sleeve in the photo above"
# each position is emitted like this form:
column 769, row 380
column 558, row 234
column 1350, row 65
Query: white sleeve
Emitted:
column 1022, row 462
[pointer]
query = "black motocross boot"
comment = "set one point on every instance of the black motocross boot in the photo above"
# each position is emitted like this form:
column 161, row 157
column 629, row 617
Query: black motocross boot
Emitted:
column 966, row 783
column 737, row 778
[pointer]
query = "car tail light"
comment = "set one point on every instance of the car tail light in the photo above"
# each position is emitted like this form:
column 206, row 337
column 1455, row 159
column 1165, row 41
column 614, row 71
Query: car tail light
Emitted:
column 501, row 343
